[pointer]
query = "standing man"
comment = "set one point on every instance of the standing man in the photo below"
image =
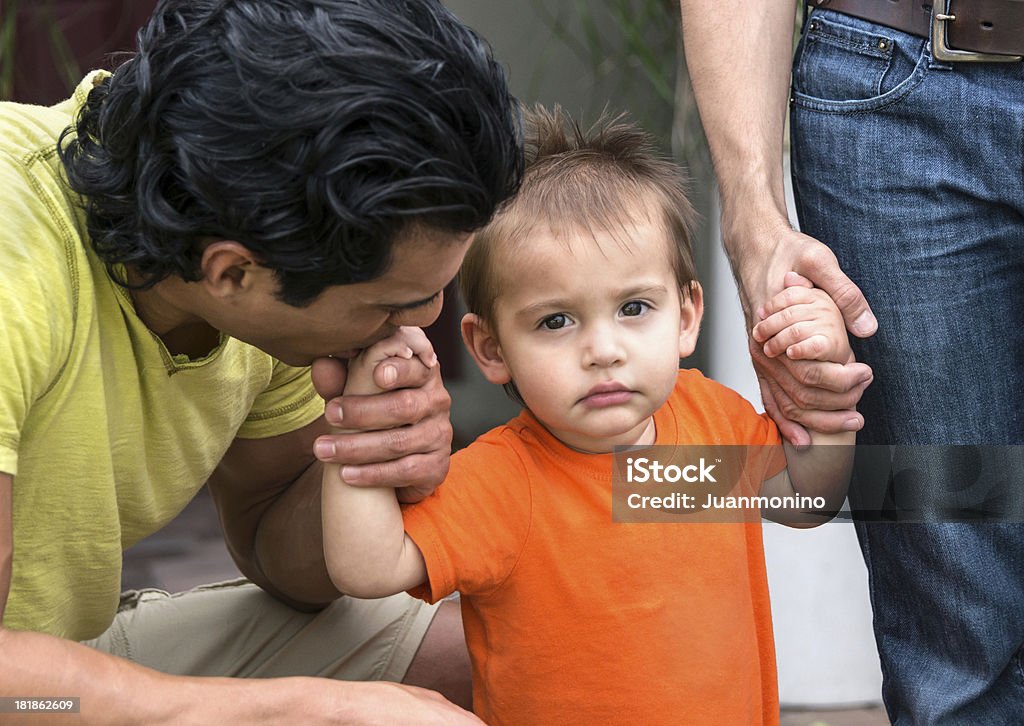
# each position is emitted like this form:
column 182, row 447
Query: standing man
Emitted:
column 266, row 184
column 907, row 144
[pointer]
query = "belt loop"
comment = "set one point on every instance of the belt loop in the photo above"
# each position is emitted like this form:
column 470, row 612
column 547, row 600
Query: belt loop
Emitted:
column 934, row 64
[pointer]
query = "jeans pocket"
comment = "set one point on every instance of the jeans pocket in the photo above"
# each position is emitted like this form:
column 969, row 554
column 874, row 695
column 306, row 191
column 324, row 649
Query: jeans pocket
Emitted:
column 846, row 64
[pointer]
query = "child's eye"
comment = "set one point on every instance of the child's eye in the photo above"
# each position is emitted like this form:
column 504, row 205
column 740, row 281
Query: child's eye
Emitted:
column 554, row 322
column 634, row 308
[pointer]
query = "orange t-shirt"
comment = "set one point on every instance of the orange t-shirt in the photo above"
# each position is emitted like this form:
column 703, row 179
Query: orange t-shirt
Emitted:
column 572, row 618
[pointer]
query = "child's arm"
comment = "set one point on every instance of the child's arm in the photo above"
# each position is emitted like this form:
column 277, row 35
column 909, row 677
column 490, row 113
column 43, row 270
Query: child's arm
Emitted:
column 805, row 324
column 367, row 551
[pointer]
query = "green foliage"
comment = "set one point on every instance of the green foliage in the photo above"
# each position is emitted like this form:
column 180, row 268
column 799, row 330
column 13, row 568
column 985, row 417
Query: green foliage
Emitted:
column 631, row 47
column 634, row 51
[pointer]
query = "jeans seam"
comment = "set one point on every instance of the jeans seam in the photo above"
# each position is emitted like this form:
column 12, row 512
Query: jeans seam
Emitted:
column 861, row 48
column 810, row 103
column 881, row 76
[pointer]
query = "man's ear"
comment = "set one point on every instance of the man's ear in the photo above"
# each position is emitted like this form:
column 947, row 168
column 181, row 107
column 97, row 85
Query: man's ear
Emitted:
column 691, row 311
column 484, row 348
column 228, row 268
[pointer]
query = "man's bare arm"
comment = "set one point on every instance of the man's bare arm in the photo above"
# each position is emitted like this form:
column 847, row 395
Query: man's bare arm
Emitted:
column 267, row 493
column 739, row 58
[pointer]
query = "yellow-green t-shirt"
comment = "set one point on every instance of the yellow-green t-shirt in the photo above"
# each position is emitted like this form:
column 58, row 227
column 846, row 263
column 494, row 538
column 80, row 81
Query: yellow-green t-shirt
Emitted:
column 106, row 434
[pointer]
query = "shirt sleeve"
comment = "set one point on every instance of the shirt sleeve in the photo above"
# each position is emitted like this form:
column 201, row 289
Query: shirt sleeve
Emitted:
column 473, row 529
column 289, row 402
column 771, row 456
column 765, row 454
column 37, row 305
column 756, row 432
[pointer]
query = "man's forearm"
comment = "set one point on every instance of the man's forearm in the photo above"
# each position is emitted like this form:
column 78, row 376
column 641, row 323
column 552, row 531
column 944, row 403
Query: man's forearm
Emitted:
column 110, row 690
column 289, row 547
column 113, row 691
column 739, row 60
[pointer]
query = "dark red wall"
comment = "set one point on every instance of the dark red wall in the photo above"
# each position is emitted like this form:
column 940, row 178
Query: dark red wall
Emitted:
column 94, row 32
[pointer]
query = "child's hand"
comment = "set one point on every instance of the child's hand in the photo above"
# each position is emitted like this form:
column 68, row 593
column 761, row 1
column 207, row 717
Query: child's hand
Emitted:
column 803, row 323
column 405, row 343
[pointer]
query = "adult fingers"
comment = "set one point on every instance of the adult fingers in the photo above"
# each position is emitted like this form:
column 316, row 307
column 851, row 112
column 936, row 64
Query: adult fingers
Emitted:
column 386, row 445
column 782, row 373
column 791, row 431
column 395, row 373
column 826, row 376
column 818, row 264
column 793, row 279
column 420, row 393
column 794, row 420
column 831, row 422
column 420, row 474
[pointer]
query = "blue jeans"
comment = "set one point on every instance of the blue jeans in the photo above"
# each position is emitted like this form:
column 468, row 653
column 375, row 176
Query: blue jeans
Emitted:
column 912, row 171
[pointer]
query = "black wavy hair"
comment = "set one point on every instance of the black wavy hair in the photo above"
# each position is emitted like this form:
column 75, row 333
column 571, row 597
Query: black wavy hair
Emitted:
column 314, row 132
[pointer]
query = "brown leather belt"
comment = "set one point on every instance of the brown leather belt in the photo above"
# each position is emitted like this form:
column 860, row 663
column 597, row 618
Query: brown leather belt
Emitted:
column 990, row 27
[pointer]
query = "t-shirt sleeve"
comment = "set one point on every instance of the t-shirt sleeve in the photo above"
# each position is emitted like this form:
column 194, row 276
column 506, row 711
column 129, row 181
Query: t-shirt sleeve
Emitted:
column 37, row 305
column 289, row 402
column 757, row 432
column 771, row 454
column 765, row 455
column 472, row 530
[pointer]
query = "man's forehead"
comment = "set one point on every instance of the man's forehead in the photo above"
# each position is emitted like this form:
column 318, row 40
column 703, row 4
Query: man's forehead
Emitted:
column 421, row 266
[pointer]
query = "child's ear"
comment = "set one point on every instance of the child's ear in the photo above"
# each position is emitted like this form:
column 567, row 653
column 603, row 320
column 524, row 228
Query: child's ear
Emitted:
column 484, row 348
column 691, row 311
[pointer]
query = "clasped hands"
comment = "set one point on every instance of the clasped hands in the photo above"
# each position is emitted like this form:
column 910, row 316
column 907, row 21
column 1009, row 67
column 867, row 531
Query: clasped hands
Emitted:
column 400, row 437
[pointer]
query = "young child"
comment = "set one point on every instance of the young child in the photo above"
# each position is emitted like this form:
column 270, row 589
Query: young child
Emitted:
column 582, row 298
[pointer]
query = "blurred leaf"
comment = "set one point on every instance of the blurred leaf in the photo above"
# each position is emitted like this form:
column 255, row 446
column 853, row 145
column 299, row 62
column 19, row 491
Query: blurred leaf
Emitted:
column 63, row 56
column 60, row 50
column 633, row 49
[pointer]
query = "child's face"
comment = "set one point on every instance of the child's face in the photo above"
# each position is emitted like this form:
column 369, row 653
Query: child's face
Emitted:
column 591, row 329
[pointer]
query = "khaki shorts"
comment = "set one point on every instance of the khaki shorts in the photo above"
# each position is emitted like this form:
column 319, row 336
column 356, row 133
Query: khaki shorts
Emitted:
column 235, row 629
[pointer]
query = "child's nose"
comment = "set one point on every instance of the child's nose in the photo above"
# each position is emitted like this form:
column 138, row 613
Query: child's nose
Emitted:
column 603, row 349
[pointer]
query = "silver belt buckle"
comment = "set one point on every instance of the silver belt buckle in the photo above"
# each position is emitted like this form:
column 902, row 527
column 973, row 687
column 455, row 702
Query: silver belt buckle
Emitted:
column 941, row 50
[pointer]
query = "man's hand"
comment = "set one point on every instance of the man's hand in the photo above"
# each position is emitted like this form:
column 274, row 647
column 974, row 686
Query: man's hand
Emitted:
column 406, row 434
column 799, row 393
